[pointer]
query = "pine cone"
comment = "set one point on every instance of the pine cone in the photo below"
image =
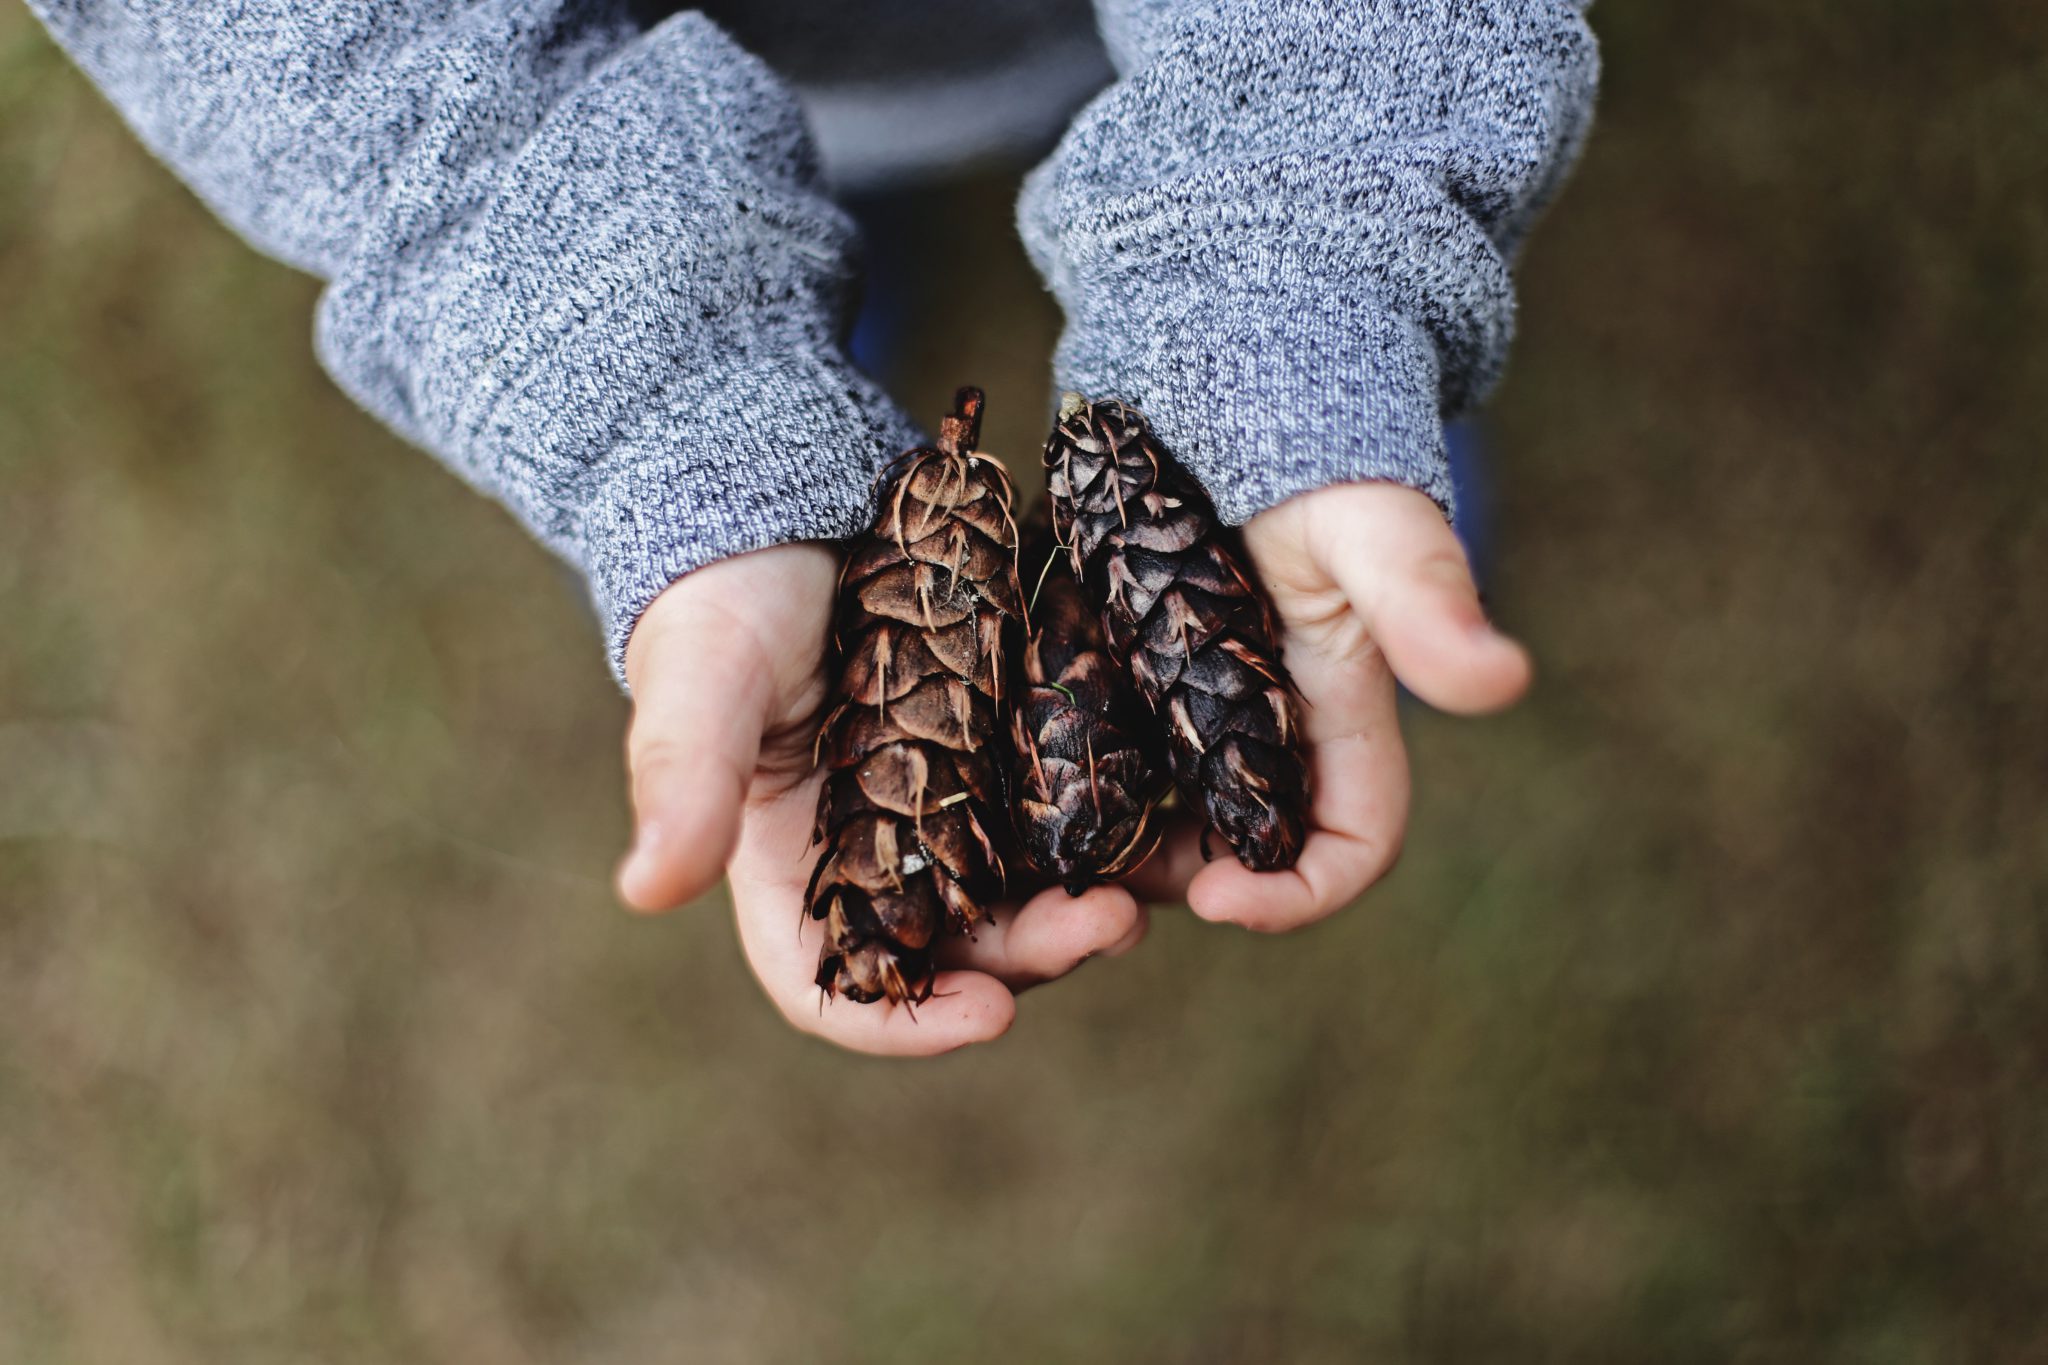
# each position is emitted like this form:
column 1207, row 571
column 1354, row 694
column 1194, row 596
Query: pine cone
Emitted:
column 926, row 602
column 1086, row 775
column 1183, row 615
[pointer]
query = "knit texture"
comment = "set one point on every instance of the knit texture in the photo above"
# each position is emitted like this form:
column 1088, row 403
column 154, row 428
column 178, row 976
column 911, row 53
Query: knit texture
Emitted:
column 1285, row 232
column 589, row 263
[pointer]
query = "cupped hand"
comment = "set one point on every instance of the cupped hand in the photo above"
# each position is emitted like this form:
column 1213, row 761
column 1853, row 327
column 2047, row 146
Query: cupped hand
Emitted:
column 727, row 673
column 1370, row 586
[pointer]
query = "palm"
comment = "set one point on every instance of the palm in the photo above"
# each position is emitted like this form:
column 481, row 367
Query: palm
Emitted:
column 726, row 703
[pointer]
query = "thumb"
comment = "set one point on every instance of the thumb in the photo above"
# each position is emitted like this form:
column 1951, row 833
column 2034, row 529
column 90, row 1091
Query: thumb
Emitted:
column 1403, row 570
column 701, row 690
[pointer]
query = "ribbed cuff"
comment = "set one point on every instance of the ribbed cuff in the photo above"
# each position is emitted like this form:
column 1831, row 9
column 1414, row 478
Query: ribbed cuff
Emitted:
column 759, row 450
column 1269, row 383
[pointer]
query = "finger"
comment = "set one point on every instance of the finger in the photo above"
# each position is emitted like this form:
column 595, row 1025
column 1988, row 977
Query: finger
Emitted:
column 1361, row 816
column 1050, row 935
column 1359, row 813
column 700, row 701
column 1348, row 694
column 965, row 1008
column 1404, row 572
column 782, row 944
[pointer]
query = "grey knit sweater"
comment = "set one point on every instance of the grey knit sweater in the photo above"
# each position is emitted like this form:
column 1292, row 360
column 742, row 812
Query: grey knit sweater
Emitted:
column 588, row 259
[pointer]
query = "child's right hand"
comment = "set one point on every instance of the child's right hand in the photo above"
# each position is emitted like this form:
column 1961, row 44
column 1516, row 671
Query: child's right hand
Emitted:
column 726, row 669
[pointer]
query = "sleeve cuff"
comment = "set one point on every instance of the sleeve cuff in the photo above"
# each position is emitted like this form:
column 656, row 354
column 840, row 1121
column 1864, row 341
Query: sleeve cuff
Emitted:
column 1272, row 385
column 759, row 451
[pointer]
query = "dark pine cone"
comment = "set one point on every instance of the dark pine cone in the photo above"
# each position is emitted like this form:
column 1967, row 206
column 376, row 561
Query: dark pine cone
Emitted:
column 1183, row 615
column 1086, row 776
column 926, row 601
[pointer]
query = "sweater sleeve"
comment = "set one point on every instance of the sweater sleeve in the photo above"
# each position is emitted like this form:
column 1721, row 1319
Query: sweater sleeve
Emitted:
column 1285, row 232
column 588, row 266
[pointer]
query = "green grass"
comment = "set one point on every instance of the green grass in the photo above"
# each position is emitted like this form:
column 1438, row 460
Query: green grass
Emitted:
column 1706, row 1019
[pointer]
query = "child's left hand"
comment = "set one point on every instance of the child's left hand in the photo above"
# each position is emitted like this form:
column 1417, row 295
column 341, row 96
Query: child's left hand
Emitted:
column 1370, row 586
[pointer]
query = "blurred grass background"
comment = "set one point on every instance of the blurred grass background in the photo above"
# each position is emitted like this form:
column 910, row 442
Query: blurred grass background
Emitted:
column 1706, row 1020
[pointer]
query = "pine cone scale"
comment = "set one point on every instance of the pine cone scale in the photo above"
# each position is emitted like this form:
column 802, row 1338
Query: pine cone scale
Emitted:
column 926, row 599
column 1181, row 614
column 1085, row 779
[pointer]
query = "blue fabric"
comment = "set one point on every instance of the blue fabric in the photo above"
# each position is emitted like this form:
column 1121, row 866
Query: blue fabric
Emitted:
column 1472, row 486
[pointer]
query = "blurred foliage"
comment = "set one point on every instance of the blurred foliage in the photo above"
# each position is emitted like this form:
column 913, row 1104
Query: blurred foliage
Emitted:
column 1707, row 1019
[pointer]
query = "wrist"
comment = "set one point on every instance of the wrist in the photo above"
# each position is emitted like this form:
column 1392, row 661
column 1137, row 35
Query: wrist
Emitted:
column 732, row 462
column 1265, row 403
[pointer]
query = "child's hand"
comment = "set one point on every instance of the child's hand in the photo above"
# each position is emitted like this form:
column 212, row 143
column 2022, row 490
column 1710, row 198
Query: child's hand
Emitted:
column 1371, row 585
column 726, row 671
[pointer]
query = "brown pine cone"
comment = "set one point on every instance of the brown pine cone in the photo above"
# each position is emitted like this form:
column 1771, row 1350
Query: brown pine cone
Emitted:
column 1087, row 772
column 927, row 603
column 1184, row 616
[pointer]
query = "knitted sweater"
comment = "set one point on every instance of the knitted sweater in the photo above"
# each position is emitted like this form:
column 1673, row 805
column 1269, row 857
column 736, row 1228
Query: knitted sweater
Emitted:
column 588, row 259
